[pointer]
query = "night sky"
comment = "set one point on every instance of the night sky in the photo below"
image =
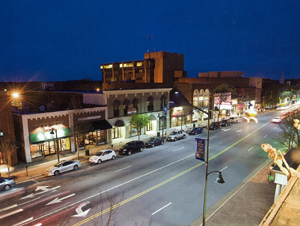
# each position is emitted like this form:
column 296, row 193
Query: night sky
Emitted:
column 59, row 40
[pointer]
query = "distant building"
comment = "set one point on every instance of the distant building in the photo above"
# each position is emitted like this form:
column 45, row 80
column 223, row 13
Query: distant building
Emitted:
column 157, row 67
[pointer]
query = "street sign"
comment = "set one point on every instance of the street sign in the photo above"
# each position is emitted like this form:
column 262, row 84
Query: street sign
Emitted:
column 200, row 149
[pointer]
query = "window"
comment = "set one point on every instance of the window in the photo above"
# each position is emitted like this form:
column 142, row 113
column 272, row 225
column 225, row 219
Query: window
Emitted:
column 150, row 126
column 117, row 132
column 150, row 101
column 125, row 110
column 116, row 111
column 138, row 64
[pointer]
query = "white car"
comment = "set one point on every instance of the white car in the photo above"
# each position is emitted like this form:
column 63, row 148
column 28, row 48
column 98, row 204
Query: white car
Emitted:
column 62, row 167
column 103, row 156
column 176, row 135
column 276, row 120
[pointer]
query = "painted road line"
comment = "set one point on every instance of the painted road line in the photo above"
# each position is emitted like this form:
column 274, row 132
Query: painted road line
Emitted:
column 265, row 136
column 23, row 222
column 11, row 213
column 178, row 149
column 123, row 168
column 161, row 208
column 250, row 149
column 9, row 207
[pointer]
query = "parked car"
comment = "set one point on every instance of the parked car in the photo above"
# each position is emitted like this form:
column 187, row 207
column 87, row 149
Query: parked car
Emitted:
column 276, row 120
column 6, row 183
column 176, row 135
column 154, row 141
column 233, row 119
column 62, row 167
column 196, row 130
column 103, row 156
column 132, row 146
column 225, row 122
column 215, row 125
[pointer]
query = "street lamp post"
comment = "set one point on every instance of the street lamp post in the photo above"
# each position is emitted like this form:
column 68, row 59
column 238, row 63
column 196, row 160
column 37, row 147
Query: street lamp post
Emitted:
column 54, row 131
column 219, row 179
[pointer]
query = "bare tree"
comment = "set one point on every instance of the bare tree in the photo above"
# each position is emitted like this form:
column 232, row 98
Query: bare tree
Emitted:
column 7, row 148
column 289, row 136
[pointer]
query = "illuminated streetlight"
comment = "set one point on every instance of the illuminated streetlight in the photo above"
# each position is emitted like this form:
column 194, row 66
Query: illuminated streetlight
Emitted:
column 15, row 95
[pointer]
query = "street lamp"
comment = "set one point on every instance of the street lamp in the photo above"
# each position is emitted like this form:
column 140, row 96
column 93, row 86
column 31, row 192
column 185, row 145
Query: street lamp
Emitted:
column 219, row 179
column 54, row 131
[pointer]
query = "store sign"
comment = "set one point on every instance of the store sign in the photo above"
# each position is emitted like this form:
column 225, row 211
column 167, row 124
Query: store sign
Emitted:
column 224, row 99
column 200, row 149
column 131, row 111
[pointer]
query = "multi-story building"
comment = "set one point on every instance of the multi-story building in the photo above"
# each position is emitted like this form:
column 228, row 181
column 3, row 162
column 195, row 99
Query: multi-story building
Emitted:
column 121, row 104
column 157, row 67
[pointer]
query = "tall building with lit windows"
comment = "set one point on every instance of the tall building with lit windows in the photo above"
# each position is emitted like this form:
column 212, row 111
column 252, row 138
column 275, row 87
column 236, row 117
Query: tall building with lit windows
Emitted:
column 156, row 67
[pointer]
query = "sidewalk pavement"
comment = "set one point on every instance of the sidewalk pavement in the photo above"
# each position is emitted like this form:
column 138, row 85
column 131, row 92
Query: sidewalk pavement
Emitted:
column 246, row 204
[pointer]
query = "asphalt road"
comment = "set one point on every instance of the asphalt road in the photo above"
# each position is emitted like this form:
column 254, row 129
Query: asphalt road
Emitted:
column 163, row 185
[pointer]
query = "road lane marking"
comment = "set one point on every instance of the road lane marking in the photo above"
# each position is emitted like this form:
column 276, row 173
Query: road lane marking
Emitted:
column 23, row 222
column 123, row 168
column 238, row 131
column 9, row 207
column 178, row 149
column 11, row 213
column 57, row 199
column 223, row 168
column 250, row 149
column 161, row 208
column 265, row 136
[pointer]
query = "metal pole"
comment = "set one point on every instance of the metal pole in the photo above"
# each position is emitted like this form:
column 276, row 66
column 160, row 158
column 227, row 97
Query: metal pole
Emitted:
column 206, row 166
column 57, row 149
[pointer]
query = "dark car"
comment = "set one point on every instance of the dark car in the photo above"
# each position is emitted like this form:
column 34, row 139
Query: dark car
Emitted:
column 196, row 130
column 215, row 125
column 225, row 122
column 132, row 146
column 154, row 141
column 233, row 120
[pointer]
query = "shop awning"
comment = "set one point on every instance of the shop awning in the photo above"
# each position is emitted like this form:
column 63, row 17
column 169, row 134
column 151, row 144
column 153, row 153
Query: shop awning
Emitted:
column 152, row 118
column 46, row 136
column 101, row 125
column 119, row 123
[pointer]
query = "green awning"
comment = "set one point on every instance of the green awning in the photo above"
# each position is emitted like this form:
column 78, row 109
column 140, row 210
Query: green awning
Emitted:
column 46, row 136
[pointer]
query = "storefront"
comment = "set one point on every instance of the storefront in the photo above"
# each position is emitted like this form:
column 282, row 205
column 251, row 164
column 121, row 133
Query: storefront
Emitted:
column 50, row 140
column 49, row 133
column 181, row 116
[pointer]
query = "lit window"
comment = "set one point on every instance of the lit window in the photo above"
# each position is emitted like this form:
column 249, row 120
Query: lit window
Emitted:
column 139, row 64
column 108, row 66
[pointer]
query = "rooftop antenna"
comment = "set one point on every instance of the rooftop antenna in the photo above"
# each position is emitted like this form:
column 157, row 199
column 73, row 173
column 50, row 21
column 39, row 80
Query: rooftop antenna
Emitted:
column 149, row 37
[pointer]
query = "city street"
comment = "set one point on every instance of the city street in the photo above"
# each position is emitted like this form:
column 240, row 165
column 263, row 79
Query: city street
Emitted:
column 160, row 186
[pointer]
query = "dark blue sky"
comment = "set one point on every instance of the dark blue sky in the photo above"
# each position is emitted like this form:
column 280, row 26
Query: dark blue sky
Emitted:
column 48, row 40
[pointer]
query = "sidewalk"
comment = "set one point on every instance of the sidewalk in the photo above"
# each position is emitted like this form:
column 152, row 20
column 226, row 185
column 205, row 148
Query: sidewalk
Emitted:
column 36, row 169
column 246, row 204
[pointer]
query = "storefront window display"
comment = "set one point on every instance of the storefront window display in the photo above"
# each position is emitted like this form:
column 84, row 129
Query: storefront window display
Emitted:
column 117, row 132
column 133, row 131
column 48, row 147
column 94, row 138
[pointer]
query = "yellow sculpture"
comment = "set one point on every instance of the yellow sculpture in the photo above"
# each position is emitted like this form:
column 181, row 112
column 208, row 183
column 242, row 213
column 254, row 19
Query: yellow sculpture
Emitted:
column 279, row 159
